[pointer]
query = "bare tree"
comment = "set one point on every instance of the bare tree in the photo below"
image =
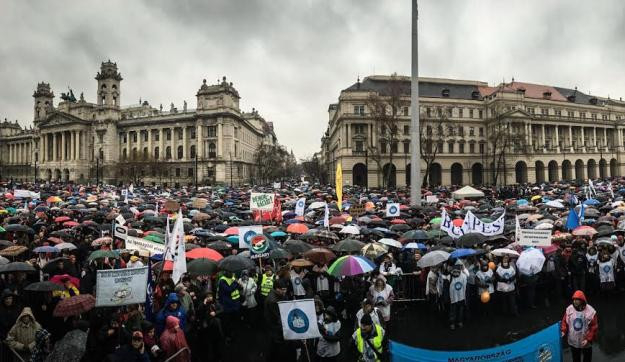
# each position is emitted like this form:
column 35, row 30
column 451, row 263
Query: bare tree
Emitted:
column 432, row 135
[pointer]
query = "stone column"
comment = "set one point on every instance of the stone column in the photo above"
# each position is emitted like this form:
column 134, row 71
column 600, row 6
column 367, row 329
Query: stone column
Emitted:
column 128, row 149
column 530, row 135
column 220, row 140
column 557, row 139
column 571, row 138
column 161, row 144
column 583, row 140
column 542, row 126
column 139, row 149
column 77, row 146
column 54, row 147
column 63, row 145
column 199, row 141
column 185, row 154
column 174, row 144
column 605, row 136
column 150, row 150
column 594, row 135
column 619, row 137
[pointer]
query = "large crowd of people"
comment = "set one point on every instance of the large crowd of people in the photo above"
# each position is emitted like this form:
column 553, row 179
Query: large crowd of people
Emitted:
column 54, row 242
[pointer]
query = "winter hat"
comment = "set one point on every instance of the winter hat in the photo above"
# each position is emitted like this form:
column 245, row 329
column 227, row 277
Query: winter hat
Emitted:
column 366, row 320
column 134, row 258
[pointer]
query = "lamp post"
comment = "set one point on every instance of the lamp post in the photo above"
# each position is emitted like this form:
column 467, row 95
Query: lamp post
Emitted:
column 195, row 173
column 35, row 170
column 415, row 155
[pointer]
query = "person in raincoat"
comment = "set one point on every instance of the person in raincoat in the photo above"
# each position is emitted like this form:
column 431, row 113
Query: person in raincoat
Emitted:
column 369, row 340
column 579, row 326
column 172, row 308
column 22, row 336
column 172, row 340
column 9, row 311
column 69, row 291
column 457, row 297
column 381, row 294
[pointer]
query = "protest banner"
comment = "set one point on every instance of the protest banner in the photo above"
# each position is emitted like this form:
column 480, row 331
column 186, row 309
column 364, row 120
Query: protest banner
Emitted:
column 121, row 231
column 246, row 233
column 392, row 209
column 261, row 201
column 356, row 210
column 432, row 199
column 25, row 194
column 299, row 320
column 471, row 224
column 135, row 243
column 117, row 287
column 533, row 237
column 300, row 206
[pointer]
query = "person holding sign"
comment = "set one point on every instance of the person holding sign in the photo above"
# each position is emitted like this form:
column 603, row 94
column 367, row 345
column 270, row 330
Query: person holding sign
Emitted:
column 279, row 349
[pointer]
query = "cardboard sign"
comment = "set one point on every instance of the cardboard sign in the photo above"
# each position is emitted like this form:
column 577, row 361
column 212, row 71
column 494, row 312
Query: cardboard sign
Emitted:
column 533, row 237
column 171, row 206
column 135, row 243
column 431, row 199
column 357, row 210
column 117, row 287
column 261, row 201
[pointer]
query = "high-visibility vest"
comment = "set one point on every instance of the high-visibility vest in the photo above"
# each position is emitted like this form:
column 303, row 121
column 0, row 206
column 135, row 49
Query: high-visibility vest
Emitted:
column 234, row 295
column 266, row 285
column 377, row 341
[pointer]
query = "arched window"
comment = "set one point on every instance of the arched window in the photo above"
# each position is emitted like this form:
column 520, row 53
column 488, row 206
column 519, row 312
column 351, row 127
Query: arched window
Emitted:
column 212, row 150
column 103, row 86
column 156, row 153
column 124, row 154
column 193, row 151
column 145, row 153
column 134, row 153
column 180, row 152
column 168, row 153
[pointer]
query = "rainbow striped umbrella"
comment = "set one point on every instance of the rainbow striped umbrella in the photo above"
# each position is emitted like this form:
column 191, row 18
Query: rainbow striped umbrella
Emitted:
column 350, row 265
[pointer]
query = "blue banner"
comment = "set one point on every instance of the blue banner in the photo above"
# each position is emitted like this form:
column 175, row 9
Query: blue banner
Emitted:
column 543, row 346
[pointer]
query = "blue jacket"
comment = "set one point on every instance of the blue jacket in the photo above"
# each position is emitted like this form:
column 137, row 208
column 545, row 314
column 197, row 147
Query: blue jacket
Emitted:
column 166, row 311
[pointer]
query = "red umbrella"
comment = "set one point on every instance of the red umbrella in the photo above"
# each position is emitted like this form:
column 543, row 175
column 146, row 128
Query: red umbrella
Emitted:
column 458, row 222
column 74, row 306
column 55, row 240
column 9, row 196
column 297, row 229
column 70, row 224
column 337, row 220
column 58, row 279
column 403, row 207
column 398, row 221
column 204, row 253
column 102, row 241
column 62, row 219
column 233, row 230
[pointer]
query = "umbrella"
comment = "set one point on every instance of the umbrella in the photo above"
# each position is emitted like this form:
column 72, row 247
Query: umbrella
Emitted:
column 584, row 231
column 18, row 228
column 99, row 254
column 301, row 263
column 592, row 202
column 53, row 199
column 155, row 238
column 530, row 261
column 16, row 266
column 14, row 250
column 219, row 245
column 201, row 266
column 433, row 258
column 58, row 279
column 102, row 241
column 461, row 253
column 390, row 242
column 279, row 253
column 74, row 306
column 204, row 253
column 233, row 230
column 61, row 219
column 46, row 249
column 414, row 245
column 235, row 263
column 296, row 246
column 278, row 234
column 348, row 246
column 470, row 239
column 316, row 205
column 415, row 235
column 319, row 255
column 55, row 240
column 297, row 229
column 504, row 251
column 373, row 250
column 554, row 204
column 3, row 260
column 326, row 234
column 44, row 287
column 70, row 224
column 350, row 229
column 351, row 265
column 68, row 246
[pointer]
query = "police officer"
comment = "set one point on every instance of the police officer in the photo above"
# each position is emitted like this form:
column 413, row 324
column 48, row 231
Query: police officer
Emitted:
column 369, row 339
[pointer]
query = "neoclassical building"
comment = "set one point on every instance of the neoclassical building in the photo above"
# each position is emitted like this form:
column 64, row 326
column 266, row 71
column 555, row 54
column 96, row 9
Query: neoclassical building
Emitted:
column 82, row 141
column 473, row 133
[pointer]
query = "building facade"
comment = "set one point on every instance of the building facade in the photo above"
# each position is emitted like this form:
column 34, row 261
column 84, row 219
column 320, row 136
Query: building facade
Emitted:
column 81, row 141
column 472, row 133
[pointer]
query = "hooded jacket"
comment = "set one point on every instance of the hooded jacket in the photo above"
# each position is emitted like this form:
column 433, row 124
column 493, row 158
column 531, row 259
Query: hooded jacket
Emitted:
column 179, row 313
column 22, row 336
column 8, row 315
column 580, row 325
column 172, row 340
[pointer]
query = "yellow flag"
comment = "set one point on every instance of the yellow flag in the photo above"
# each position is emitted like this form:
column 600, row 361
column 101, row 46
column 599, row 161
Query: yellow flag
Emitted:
column 339, row 186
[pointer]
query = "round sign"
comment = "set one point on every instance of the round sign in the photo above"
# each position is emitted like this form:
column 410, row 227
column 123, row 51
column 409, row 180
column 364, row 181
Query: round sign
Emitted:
column 607, row 268
column 300, row 203
column 259, row 244
column 458, row 286
column 297, row 321
column 392, row 209
column 578, row 324
column 247, row 237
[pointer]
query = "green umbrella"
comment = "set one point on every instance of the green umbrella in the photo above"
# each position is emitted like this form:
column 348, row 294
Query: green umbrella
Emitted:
column 2, row 230
column 154, row 238
column 11, row 210
column 436, row 220
column 99, row 254
column 436, row 233
column 233, row 239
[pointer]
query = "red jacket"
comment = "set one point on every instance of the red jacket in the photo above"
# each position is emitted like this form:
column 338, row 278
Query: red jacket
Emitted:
column 587, row 319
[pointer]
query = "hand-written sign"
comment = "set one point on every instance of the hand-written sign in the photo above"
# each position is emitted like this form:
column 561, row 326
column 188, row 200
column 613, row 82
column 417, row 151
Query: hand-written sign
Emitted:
column 261, row 201
column 121, row 286
column 357, row 210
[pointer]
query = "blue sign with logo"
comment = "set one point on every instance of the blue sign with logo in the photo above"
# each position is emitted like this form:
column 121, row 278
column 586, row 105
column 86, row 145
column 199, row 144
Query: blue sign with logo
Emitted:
column 247, row 237
column 543, row 346
column 298, row 321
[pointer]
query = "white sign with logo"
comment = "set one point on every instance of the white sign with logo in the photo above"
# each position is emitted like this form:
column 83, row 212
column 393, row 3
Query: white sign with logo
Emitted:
column 119, row 287
column 432, row 199
column 299, row 320
column 392, row 209
column 533, row 237
column 300, row 205
column 260, row 201
column 134, row 243
column 246, row 233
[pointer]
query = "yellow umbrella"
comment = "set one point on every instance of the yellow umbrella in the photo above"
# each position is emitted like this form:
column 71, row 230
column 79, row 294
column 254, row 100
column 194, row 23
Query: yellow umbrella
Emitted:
column 536, row 197
column 53, row 199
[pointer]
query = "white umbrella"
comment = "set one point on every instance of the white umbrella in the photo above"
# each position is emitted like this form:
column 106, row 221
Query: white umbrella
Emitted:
column 504, row 251
column 555, row 204
column 433, row 258
column 544, row 226
column 530, row 261
column 350, row 229
column 390, row 242
column 68, row 246
column 317, row 205
column 3, row 260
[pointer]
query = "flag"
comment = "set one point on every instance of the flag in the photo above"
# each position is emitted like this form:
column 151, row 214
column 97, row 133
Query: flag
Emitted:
column 246, row 233
column 611, row 191
column 299, row 320
column 168, row 255
column 180, row 259
column 573, row 220
column 392, row 209
column 276, row 212
column 326, row 217
column 339, row 185
column 120, row 220
column 156, row 209
column 131, row 188
column 149, row 312
column 591, row 186
column 517, row 229
column 300, row 206
column 581, row 213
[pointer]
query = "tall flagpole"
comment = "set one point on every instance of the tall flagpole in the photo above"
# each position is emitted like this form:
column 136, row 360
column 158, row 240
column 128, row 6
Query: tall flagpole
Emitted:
column 415, row 154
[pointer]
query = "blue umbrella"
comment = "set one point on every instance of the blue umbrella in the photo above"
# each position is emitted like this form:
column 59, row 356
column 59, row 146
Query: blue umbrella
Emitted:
column 591, row 202
column 521, row 202
column 277, row 234
column 46, row 249
column 414, row 245
column 292, row 221
column 460, row 253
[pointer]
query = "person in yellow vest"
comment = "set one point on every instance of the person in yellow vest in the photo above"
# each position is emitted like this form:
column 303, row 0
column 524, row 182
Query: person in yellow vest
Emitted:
column 229, row 297
column 266, row 283
column 369, row 338
column 69, row 291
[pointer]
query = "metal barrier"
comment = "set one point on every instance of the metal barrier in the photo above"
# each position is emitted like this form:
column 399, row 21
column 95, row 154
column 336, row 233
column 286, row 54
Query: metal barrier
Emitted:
column 8, row 354
column 408, row 288
column 177, row 353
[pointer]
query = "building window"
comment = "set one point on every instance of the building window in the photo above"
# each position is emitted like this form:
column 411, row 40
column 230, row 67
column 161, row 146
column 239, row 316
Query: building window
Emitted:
column 460, row 131
column 212, row 150
column 382, row 146
column 428, row 111
column 405, row 111
column 480, row 114
column 236, row 132
column 449, row 112
column 544, row 111
column 394, row 147
column 460, row 112
column 177, row 172
column 180, row 152
column 481, row 131
column 604, row 117
column 168, row 134
column 156, row 153
column 406, row 130
column 471, row 131
column 359, row 146
column 530, row 110
column 471, row 147
column 461, row 148
column 125, row 138
column 471, row 113
column 558, row 113
column 583, row 115
column 428, row 130
column 192, row 133
column 359, row 129
column 157, row 136
column 101, row 154
column 439, row 147
column 359, row 109
column 192, row 151
column 168, row 153
column 189, row 172
column 481, row 148
column 145, row 153
column 179, row 133
column 450, row 147
column 134, row 153
column 212, row 131
column 407, row 146
column 145, row 136
column 134, row 136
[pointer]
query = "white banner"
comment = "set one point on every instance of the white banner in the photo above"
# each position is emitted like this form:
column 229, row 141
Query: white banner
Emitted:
column 134, row 243
column 25, row 194
column 259, row 201
column 277, row 185
column 431, row 199
column 533, row 237
column 299, row 320
column 117, row 287
column 120, row 219
column 471, row 224
column 392, row 209
column 300, row 205
column 246, row 233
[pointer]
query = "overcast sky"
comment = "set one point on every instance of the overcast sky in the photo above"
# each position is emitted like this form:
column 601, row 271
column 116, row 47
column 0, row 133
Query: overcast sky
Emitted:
column 290, row 58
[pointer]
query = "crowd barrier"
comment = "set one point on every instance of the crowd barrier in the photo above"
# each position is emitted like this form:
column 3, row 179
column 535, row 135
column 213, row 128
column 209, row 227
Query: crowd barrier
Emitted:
column 8, row 354
column 408, row 288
